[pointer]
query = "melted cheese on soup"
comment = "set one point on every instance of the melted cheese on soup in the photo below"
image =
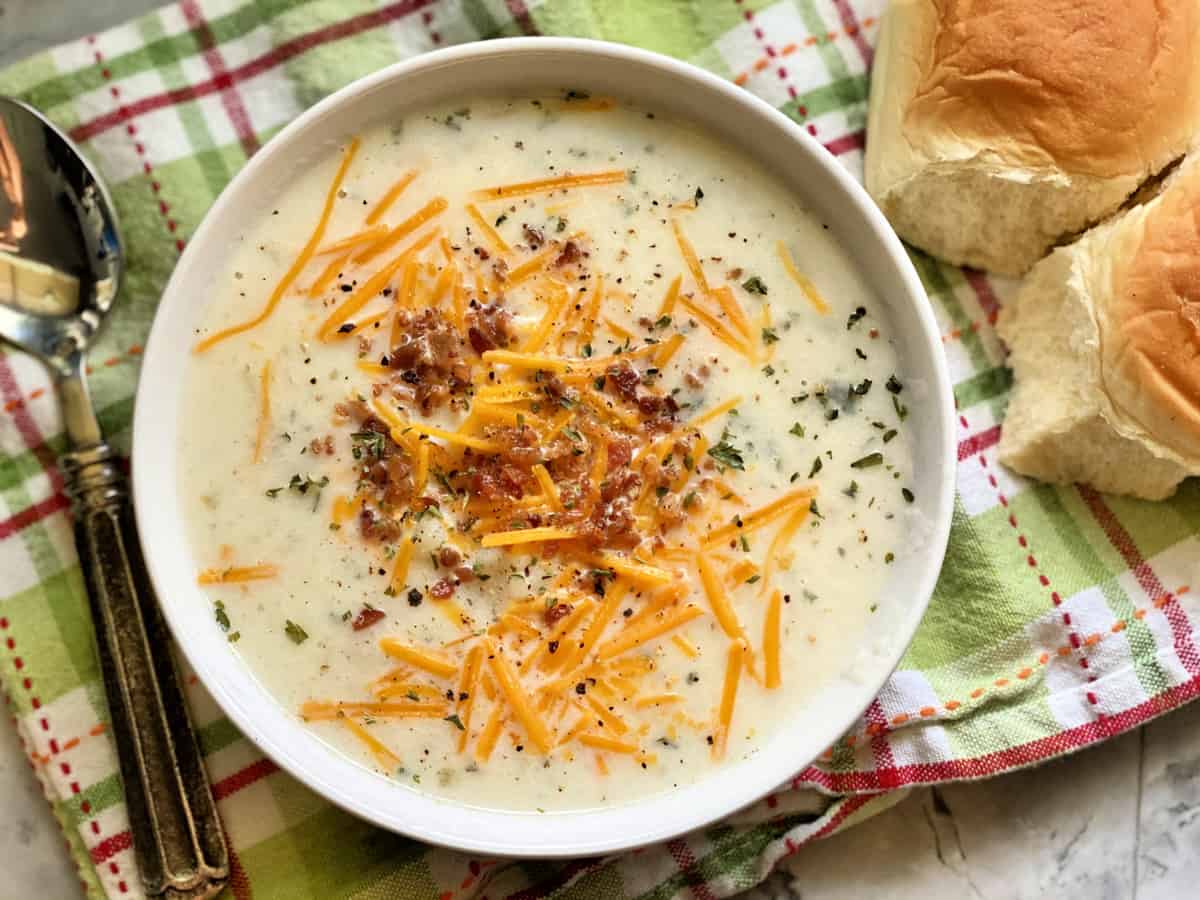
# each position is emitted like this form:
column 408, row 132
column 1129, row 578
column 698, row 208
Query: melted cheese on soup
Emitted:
column 543, row 453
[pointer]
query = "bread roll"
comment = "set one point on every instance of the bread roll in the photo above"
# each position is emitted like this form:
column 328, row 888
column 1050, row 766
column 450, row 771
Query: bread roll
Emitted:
column 1104, row 342
column 998, row 127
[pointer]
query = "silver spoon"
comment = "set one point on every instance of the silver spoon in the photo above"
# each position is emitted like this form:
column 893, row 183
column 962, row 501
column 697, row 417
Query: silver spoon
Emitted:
column 60, row 267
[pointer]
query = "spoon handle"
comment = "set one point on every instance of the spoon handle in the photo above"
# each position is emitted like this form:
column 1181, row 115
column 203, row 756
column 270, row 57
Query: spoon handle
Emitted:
column 177, row 836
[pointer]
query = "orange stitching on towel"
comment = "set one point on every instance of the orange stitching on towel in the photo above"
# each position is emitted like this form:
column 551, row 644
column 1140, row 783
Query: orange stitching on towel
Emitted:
column 13, row 405
column 43, row 758
column 927, row 712
column 957, row 333
column 811, row 41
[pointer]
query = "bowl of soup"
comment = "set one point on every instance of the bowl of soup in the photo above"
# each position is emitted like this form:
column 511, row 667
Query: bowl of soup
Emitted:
column 543, row 448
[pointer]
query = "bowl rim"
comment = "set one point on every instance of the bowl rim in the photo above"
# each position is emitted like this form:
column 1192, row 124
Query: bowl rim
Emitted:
column 525, row 834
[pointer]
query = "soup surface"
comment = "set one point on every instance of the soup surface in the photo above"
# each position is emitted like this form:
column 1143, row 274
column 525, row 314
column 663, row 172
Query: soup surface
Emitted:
column 543, row 453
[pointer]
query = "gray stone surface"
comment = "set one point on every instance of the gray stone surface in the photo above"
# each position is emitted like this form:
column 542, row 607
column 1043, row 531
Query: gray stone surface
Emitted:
column 33, row 855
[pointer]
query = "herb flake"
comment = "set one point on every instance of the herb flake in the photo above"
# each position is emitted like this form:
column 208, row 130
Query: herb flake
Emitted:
column 728, row 455
column 755, row 285
column 870, row 461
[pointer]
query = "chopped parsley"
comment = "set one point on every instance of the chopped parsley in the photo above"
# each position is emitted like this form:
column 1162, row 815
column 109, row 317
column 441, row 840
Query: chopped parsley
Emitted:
column 221, row 616
column 907, row 495
column 297, row 634
column 755, row 285
column 797, row 430
column 855, row 317
column 454, row 720
column 302, row 485
column 816, row 467
column 366, row 442
column 868, row 462
column 728, row 455
column 769, row 336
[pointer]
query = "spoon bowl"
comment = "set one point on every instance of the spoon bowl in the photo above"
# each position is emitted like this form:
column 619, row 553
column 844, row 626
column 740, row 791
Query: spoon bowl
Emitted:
column 60, row 254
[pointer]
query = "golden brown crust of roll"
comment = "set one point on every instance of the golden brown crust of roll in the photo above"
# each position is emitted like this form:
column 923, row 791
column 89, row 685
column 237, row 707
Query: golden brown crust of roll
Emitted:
column 1102, row 88
column 1151, row 329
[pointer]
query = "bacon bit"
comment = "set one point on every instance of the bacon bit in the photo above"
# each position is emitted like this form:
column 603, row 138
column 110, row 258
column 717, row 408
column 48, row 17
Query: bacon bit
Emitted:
column 443, row 589
column 557, row 613
column 620, row 452
column 519, row 443
column 367, row 616
column 448, row 557
column 624, row 379
column 570, row 255
column 533, row 236
column 375, row 527
column 489, row 327
column 496, row 479
column 428, row 354
column 611, row 523
column 671, row 513
column 321, row 446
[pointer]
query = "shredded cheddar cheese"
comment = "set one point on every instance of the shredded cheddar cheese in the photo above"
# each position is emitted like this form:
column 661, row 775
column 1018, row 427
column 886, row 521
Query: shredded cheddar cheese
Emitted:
column 297, row 267
column 379, row 210
column 548, row 185
column 264, row 412
column 237, row 574
column 806, row 286
column 771, row 638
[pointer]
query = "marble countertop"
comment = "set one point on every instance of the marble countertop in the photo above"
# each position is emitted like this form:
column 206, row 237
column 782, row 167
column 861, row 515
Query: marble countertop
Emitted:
column 1117, row 822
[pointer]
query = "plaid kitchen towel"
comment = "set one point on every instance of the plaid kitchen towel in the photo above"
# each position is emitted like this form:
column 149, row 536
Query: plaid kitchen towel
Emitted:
column 1062, row 617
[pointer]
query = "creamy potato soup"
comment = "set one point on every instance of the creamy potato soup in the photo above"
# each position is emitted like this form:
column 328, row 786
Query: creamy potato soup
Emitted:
column 543, row 453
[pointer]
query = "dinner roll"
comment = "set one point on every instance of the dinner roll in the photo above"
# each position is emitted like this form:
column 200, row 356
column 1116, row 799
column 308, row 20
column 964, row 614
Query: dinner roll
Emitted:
column 999, row 127
column 1104, row 342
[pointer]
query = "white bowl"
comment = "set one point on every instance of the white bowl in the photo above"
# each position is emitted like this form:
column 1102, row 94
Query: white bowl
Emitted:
column 524, row 66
